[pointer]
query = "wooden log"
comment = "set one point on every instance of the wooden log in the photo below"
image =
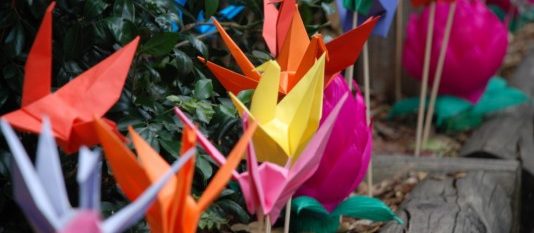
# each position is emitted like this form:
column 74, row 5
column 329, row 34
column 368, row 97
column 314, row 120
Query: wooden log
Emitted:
column 483, row 199
column 510, row 135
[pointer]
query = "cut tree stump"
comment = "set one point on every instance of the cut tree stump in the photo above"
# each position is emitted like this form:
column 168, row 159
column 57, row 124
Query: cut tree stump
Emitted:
column 509, row 135
column 478, row 195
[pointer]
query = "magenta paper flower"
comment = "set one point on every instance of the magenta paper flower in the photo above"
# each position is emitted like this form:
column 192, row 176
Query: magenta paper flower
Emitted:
column 347, row 153
column 476, row 49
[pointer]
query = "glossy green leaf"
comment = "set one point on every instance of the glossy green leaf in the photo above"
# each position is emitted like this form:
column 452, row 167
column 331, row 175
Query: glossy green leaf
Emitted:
column 305, row 203
column 182, row 62
column 463, row 122
column 210, row 7
column 203, row 89
column 364, row 207
column 204, row 167
column 16, row 40
column 94, row 8
column 125, row 9
column 161, row 44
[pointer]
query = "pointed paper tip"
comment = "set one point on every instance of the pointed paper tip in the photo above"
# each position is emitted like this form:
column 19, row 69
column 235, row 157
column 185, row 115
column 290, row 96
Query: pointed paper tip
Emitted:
column 201, row 59
column 51, row 7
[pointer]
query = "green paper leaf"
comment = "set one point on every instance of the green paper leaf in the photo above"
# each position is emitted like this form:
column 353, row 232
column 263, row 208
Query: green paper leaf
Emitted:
column 404, row 107
column 462, row 122
column 498, row 96
column 449, row 106
column 310, row 216
column 364, row 207
column 305, row 203
column 361, row 6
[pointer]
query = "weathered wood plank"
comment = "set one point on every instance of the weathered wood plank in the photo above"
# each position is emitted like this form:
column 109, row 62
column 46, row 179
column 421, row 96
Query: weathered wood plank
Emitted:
column 509, row 134
column 484, row 200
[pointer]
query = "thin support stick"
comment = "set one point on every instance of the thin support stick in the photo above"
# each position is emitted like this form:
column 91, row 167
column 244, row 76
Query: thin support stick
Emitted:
column 398, row 53
column 267, row 224
column 439, row 72
column 367, row 93
column 288, row 215
column 424, row 83
column 349, row 73
column 261, row 220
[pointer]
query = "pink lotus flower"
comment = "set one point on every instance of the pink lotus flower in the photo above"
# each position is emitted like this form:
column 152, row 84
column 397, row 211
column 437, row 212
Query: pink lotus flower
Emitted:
column 476, row 49
column 347, row 154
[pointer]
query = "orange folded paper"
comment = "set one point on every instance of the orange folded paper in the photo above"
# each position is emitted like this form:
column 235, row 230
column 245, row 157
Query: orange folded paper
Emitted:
column 297, row 52
column 72, row 108
column 175, row 210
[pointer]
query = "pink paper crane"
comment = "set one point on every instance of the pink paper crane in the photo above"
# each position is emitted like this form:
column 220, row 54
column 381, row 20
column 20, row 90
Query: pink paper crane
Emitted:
column 267, row 187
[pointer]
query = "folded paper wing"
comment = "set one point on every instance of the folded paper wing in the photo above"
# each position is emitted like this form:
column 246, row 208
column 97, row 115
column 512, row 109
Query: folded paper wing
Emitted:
column 72, row 107
column 285, row 127
column 295, row 57
column 175, row 209
column 41, row 192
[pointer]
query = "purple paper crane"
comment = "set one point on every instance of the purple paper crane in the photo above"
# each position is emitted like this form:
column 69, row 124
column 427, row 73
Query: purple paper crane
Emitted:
column 40, row 191
column 347, row 153
column 268, row 187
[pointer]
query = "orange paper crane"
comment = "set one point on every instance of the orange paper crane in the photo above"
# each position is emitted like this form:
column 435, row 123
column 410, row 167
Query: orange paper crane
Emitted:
column 175, row 210
column 72, row 108
column 297, row 54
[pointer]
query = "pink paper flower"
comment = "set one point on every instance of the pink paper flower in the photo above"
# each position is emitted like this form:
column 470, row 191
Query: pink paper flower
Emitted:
column 476, row 49
column 347, row 153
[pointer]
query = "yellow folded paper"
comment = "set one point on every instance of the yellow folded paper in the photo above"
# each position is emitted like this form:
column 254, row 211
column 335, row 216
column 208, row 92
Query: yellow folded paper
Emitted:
column 285, row 127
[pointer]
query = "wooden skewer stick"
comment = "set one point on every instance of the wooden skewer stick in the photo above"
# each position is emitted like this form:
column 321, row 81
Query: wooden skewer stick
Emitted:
column 439, row 72
column 267, row 224
column 288, row 214
column 367, row 93
column 349, row 73
column 424, row 81
column 398, row 54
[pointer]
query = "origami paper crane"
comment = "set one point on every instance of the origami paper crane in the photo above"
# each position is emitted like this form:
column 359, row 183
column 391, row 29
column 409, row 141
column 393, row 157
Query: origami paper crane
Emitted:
column 348, row 150
column 267, row 187
column 175, row 210
column 284, row 127
column 42, row 195
column 384, row 8
column 465, row 48
column 73, row 107
column 297, row 54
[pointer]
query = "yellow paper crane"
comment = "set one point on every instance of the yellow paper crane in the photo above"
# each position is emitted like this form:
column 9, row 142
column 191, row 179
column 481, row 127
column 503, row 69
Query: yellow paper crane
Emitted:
column 285, row 127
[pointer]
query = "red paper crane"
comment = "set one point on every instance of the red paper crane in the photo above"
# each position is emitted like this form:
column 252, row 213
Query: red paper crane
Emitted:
column 73, row 107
